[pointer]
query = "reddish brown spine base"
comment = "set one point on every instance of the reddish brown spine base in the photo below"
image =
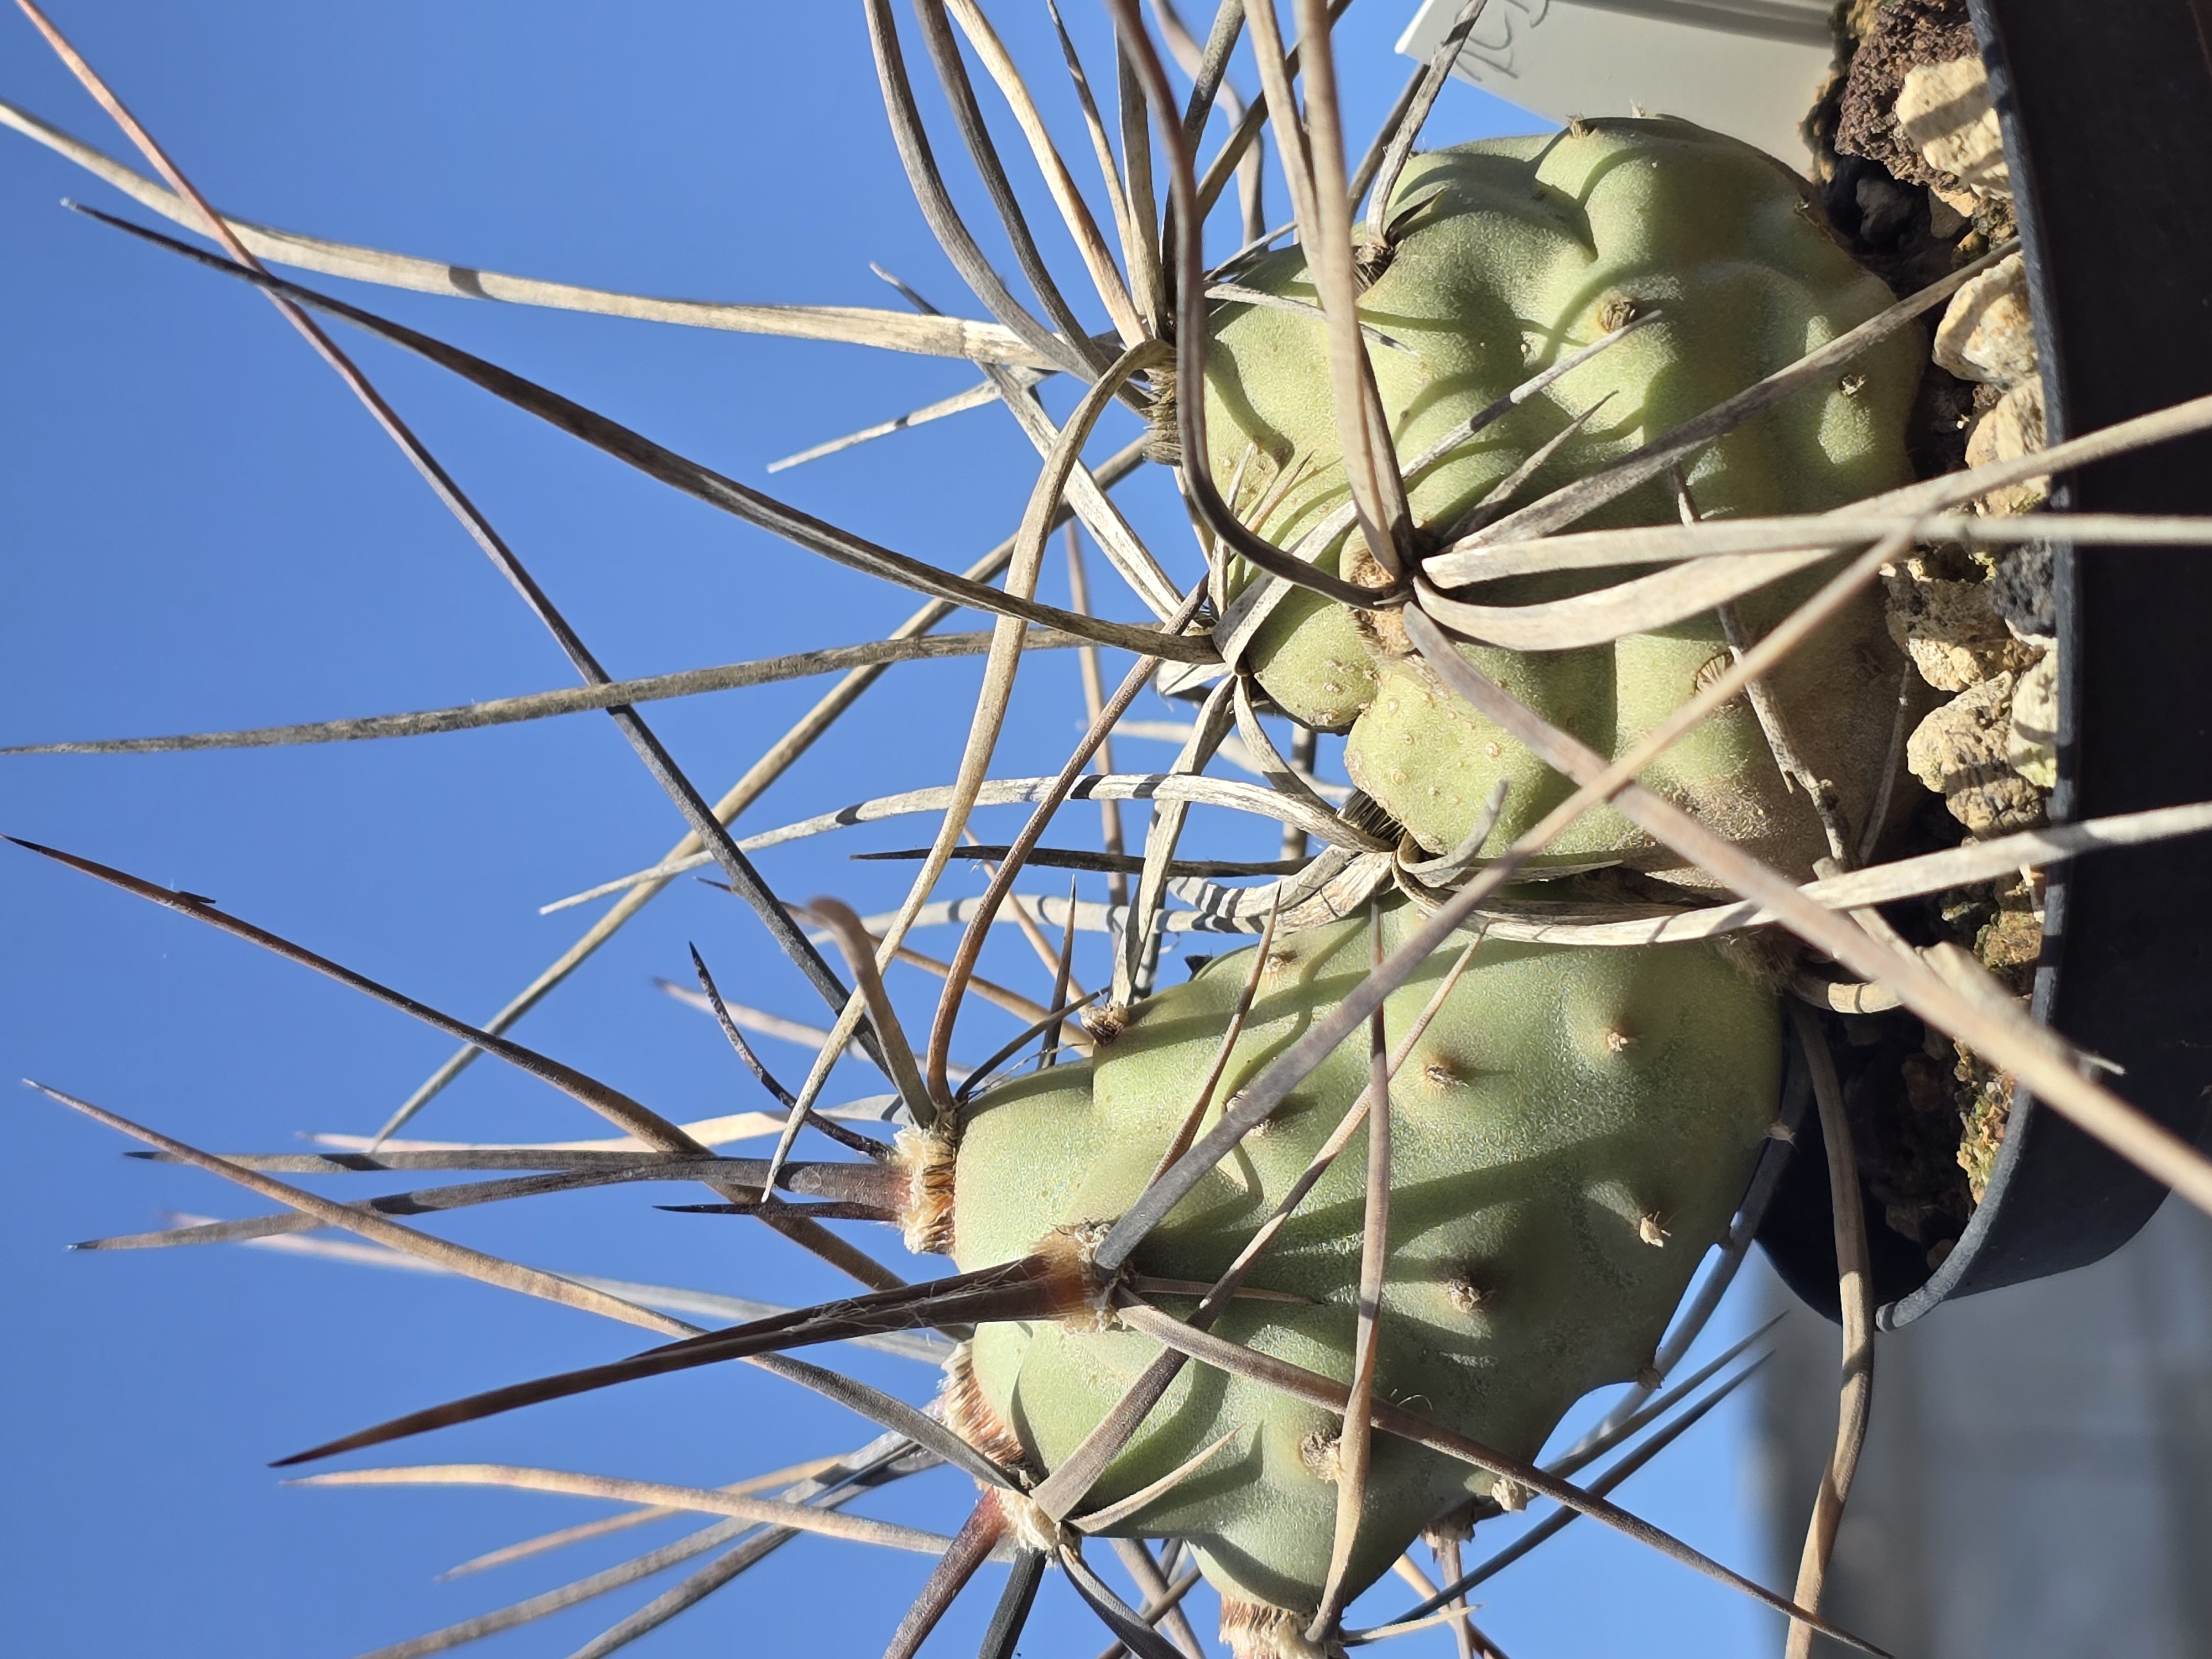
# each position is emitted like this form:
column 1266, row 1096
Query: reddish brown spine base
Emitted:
column 969, row 1415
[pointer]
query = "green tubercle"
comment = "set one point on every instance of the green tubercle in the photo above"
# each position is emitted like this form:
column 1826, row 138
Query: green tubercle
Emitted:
column 1507, row 255
column 1573, row 1132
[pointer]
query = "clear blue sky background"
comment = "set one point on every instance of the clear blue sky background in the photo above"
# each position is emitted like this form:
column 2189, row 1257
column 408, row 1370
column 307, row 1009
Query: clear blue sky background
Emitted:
column 202, row 530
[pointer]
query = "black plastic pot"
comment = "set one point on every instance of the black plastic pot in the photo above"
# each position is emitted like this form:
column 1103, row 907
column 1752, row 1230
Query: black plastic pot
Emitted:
column 2107, row 116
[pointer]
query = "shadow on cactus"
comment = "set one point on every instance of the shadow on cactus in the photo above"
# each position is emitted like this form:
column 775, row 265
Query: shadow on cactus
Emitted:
column 1558, row 485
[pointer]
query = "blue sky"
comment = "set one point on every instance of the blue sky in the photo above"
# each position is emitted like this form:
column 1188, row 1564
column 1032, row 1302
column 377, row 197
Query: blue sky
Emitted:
column 204, row 531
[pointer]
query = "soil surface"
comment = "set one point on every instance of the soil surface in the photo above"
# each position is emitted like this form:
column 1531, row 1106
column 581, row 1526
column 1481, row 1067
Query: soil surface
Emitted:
column 1927, row 1117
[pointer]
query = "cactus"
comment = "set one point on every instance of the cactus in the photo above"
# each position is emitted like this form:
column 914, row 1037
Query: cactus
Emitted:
column 1512, row 253
column 1571, row 1132
column 1575, row 1125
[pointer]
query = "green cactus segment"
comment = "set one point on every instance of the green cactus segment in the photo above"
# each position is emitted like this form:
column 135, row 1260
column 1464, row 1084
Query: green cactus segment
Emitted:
column 1510, row 254
column 1564, row 1109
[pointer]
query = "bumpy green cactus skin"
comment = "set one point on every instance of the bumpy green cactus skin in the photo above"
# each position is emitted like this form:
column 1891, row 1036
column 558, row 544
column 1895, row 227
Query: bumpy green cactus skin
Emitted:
column 1514, row 252
column 1560, row 1101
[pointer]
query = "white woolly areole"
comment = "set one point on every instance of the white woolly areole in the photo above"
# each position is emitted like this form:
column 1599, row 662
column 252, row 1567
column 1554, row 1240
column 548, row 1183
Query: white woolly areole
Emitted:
column 1029, row 1525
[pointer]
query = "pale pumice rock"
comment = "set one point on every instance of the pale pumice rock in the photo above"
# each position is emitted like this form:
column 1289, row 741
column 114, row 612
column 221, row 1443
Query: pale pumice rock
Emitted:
column 1987, row 333
column 2032, row 745
column 1945, row 110
column 1950, row 210
column 1952, row 630
column 2012, row 427
column 1961, row 752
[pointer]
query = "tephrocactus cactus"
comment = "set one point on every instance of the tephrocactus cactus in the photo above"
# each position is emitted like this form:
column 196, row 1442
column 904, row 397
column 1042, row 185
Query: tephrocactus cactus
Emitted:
column 1569, row 1134
column 1574, row 1124
column 1506, row 256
